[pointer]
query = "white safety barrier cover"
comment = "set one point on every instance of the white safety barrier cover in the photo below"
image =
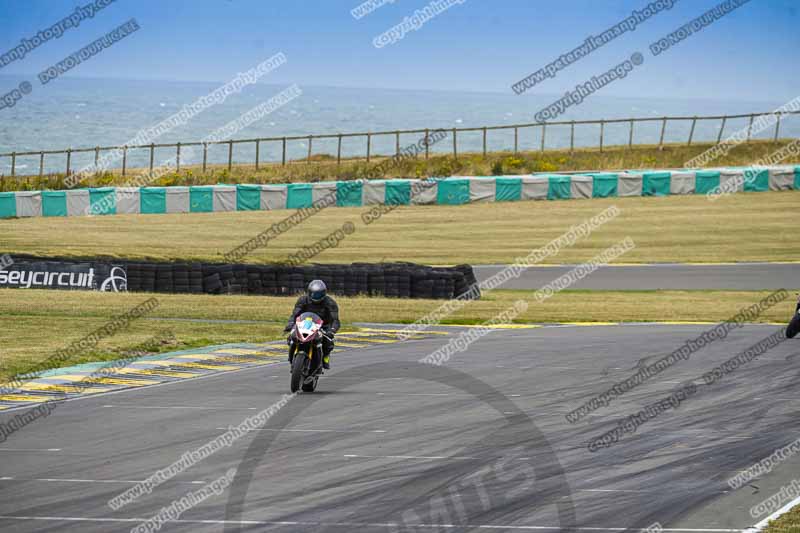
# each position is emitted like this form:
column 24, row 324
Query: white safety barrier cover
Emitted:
column 629, row 184
column 534, row 188
column 224, row 198
column 273, row 197
column 128, row 201
column 482, row 189
column 373, row 192
column 581, row 186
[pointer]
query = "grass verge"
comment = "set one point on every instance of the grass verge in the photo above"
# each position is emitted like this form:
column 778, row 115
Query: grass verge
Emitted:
column 39, row 322
column 786, row 523
column 323, row 167
column 740, row 227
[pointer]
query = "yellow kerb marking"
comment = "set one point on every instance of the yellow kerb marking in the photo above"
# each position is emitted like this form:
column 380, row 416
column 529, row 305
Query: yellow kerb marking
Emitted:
column 23, row 398
column 156, row 372
column 591, row 323
column 368, row 339
column 683, row 323
column 46, row 387
column 201, row 356
column 497, row 326
column 397, row 331
column 237, row 351
column 349, row 345
column 107, row 381
column 206, row 367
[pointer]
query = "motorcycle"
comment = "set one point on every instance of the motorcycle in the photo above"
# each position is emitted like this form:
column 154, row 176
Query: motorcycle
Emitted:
column 794, row 324
column 305, row 352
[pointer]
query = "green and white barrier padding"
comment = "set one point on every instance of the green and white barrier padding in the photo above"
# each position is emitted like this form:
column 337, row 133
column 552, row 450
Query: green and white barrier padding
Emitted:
column 449, row 191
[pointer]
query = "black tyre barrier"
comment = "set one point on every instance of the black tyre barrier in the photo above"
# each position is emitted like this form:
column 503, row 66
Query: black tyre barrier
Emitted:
column 393, row 280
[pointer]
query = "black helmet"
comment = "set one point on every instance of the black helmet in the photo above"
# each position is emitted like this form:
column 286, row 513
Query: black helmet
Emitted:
column 317, row 290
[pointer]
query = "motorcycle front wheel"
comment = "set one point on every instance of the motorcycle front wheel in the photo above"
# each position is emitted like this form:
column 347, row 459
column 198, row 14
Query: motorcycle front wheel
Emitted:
column 298, row 366
column 794, row 326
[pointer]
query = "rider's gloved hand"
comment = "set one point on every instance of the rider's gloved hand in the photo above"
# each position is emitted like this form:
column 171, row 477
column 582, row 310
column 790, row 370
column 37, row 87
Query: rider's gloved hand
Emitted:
column 287, row 329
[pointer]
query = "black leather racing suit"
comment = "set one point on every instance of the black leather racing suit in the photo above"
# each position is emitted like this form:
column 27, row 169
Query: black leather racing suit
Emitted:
column 327, row 310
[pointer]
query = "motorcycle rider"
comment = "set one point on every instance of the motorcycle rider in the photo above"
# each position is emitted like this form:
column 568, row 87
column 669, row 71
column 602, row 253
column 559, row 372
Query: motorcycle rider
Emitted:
column 316, row 300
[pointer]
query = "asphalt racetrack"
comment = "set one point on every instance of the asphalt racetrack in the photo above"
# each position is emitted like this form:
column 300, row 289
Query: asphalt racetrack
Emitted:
column 387, row 444
column 741, row 276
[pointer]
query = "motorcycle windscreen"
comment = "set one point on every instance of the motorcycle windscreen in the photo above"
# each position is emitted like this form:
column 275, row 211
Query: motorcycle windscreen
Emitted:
column 308, row 323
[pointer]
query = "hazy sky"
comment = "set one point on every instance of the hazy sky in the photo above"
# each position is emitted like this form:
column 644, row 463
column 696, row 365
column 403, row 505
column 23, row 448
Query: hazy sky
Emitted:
column 478, row 45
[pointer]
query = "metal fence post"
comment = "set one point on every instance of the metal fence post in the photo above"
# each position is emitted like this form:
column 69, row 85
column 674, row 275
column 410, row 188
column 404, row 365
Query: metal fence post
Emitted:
column 258, row 151
column 663, row 129
column 339, row 151
column 427, row 143
column 397, row 143
column 310, row 141
column 205, row 155
column 484, row 141
column 124, row 160
column 178, row 158
column 630, row 136
column 230, row 155
column 691, row 132
column 777, row 127
column 516, row 140
column 544, row 132
column 572, row 137
column 455, row 144
column 152, row 149
column 283, row 153
column 69, row 159
column 13, row 164
column 721, row 129
column 750, row 127
column 369, row 145
column 602, row 131
column 41, row 164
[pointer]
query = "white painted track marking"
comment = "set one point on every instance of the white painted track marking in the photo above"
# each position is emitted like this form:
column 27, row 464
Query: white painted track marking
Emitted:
column 392, row 525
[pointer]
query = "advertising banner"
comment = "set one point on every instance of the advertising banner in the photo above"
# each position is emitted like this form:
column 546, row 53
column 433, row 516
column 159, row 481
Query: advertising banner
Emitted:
column 61, row 275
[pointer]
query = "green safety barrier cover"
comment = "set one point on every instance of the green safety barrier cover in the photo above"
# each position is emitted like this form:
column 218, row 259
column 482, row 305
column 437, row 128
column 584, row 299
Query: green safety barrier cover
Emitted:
column 398, row 192
column 102, row 201
column 453, row 192
column 655, row 184
column 349, row 193
column 507, row 189
column 604, row 185
column 756, row 180
column 706, row 181
column 248, row 197
column 299, row 196
column 152, row 200
column 559, row 188
column 54, row 203
column 8, row 205
column 201, row 199
column 797, row 178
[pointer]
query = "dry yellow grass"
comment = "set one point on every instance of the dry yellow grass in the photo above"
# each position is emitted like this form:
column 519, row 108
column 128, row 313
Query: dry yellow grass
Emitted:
column 787, row 523
column 740, row 227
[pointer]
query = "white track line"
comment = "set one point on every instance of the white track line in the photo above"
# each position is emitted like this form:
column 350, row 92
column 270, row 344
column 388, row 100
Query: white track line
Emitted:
column 318, row 430
column 412, row 457
column 179, row 407
column 392, row 525
column 30, row 450
column 67, row 480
